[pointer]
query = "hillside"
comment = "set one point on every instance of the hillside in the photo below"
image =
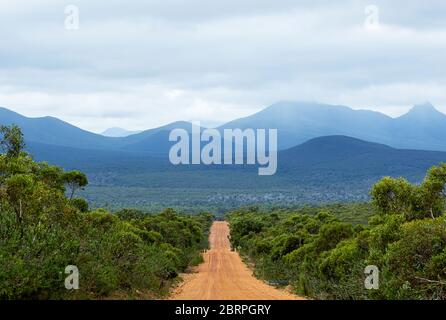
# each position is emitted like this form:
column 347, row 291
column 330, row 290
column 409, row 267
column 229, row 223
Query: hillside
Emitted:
column 324, row 169
column 337, row 158
column 50, row 130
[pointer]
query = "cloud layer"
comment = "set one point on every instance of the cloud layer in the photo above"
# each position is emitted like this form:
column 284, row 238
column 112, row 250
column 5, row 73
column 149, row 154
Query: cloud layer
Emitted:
column 139, row 65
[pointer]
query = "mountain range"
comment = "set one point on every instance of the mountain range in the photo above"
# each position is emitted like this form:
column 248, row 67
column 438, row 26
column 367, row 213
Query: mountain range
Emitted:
column 423, row 128
column 327, row 153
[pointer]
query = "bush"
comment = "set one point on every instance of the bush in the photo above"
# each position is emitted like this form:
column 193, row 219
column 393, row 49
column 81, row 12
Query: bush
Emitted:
column 79, row 204
column 42, row 231
column 325, row 258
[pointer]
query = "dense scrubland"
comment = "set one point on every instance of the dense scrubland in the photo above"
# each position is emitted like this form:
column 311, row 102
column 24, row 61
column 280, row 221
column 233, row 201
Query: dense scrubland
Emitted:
column 323, row 256
column 321, row 251
column 44, row 228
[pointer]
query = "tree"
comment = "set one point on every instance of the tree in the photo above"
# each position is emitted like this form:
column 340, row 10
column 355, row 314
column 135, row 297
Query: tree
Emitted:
column 19, row 187
column 431, row 192
column 52, row 176
column 394, row 196
column 398, row 196
column 12, row 141
column 131, row 214
column 75, row 180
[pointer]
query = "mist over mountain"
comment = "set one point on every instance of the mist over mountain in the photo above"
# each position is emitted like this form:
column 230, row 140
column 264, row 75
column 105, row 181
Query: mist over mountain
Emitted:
column 423, row 127
column 118, row 132
column 297, row 122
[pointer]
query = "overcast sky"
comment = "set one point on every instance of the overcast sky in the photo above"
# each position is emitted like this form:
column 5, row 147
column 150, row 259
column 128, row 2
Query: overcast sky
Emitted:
column 140, row 65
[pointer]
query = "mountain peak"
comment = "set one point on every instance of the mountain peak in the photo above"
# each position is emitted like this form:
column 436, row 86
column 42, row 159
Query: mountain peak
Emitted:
column 424, row 108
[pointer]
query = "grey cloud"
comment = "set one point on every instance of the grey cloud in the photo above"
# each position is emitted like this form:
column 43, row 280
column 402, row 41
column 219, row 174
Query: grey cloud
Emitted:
column 131, row 59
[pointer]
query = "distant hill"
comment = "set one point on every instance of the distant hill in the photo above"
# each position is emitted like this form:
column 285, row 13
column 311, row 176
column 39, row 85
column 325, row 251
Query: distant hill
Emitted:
column 341, row 156
column 324, row 169
column 346, row 159
column 50, row 130
column 118, row 132
column 155, row 141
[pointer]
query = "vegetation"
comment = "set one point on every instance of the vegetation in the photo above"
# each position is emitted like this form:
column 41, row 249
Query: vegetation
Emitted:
column 324, row 257
column 321, row 251
column 42, row 231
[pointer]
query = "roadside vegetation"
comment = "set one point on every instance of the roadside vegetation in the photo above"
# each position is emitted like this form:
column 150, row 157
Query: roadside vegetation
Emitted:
column 44, row 228
column 324, row 256
column 321, row 252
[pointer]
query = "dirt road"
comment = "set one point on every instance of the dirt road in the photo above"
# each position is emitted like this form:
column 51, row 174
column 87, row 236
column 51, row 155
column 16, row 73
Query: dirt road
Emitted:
column 223, row 275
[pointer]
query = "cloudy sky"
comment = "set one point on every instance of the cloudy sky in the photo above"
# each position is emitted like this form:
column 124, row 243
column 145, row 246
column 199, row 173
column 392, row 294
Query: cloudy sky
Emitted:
column 139, row 64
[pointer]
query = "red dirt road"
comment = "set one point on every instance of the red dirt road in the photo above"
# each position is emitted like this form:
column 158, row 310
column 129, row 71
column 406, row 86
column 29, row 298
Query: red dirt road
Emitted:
column 223, row 275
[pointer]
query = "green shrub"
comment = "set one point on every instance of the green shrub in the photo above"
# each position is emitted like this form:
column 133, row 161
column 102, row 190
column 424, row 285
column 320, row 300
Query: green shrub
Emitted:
column 325, row 258
column 42, row 232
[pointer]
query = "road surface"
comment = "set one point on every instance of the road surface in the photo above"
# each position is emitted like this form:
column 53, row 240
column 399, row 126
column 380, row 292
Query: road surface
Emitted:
column 224, row 276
